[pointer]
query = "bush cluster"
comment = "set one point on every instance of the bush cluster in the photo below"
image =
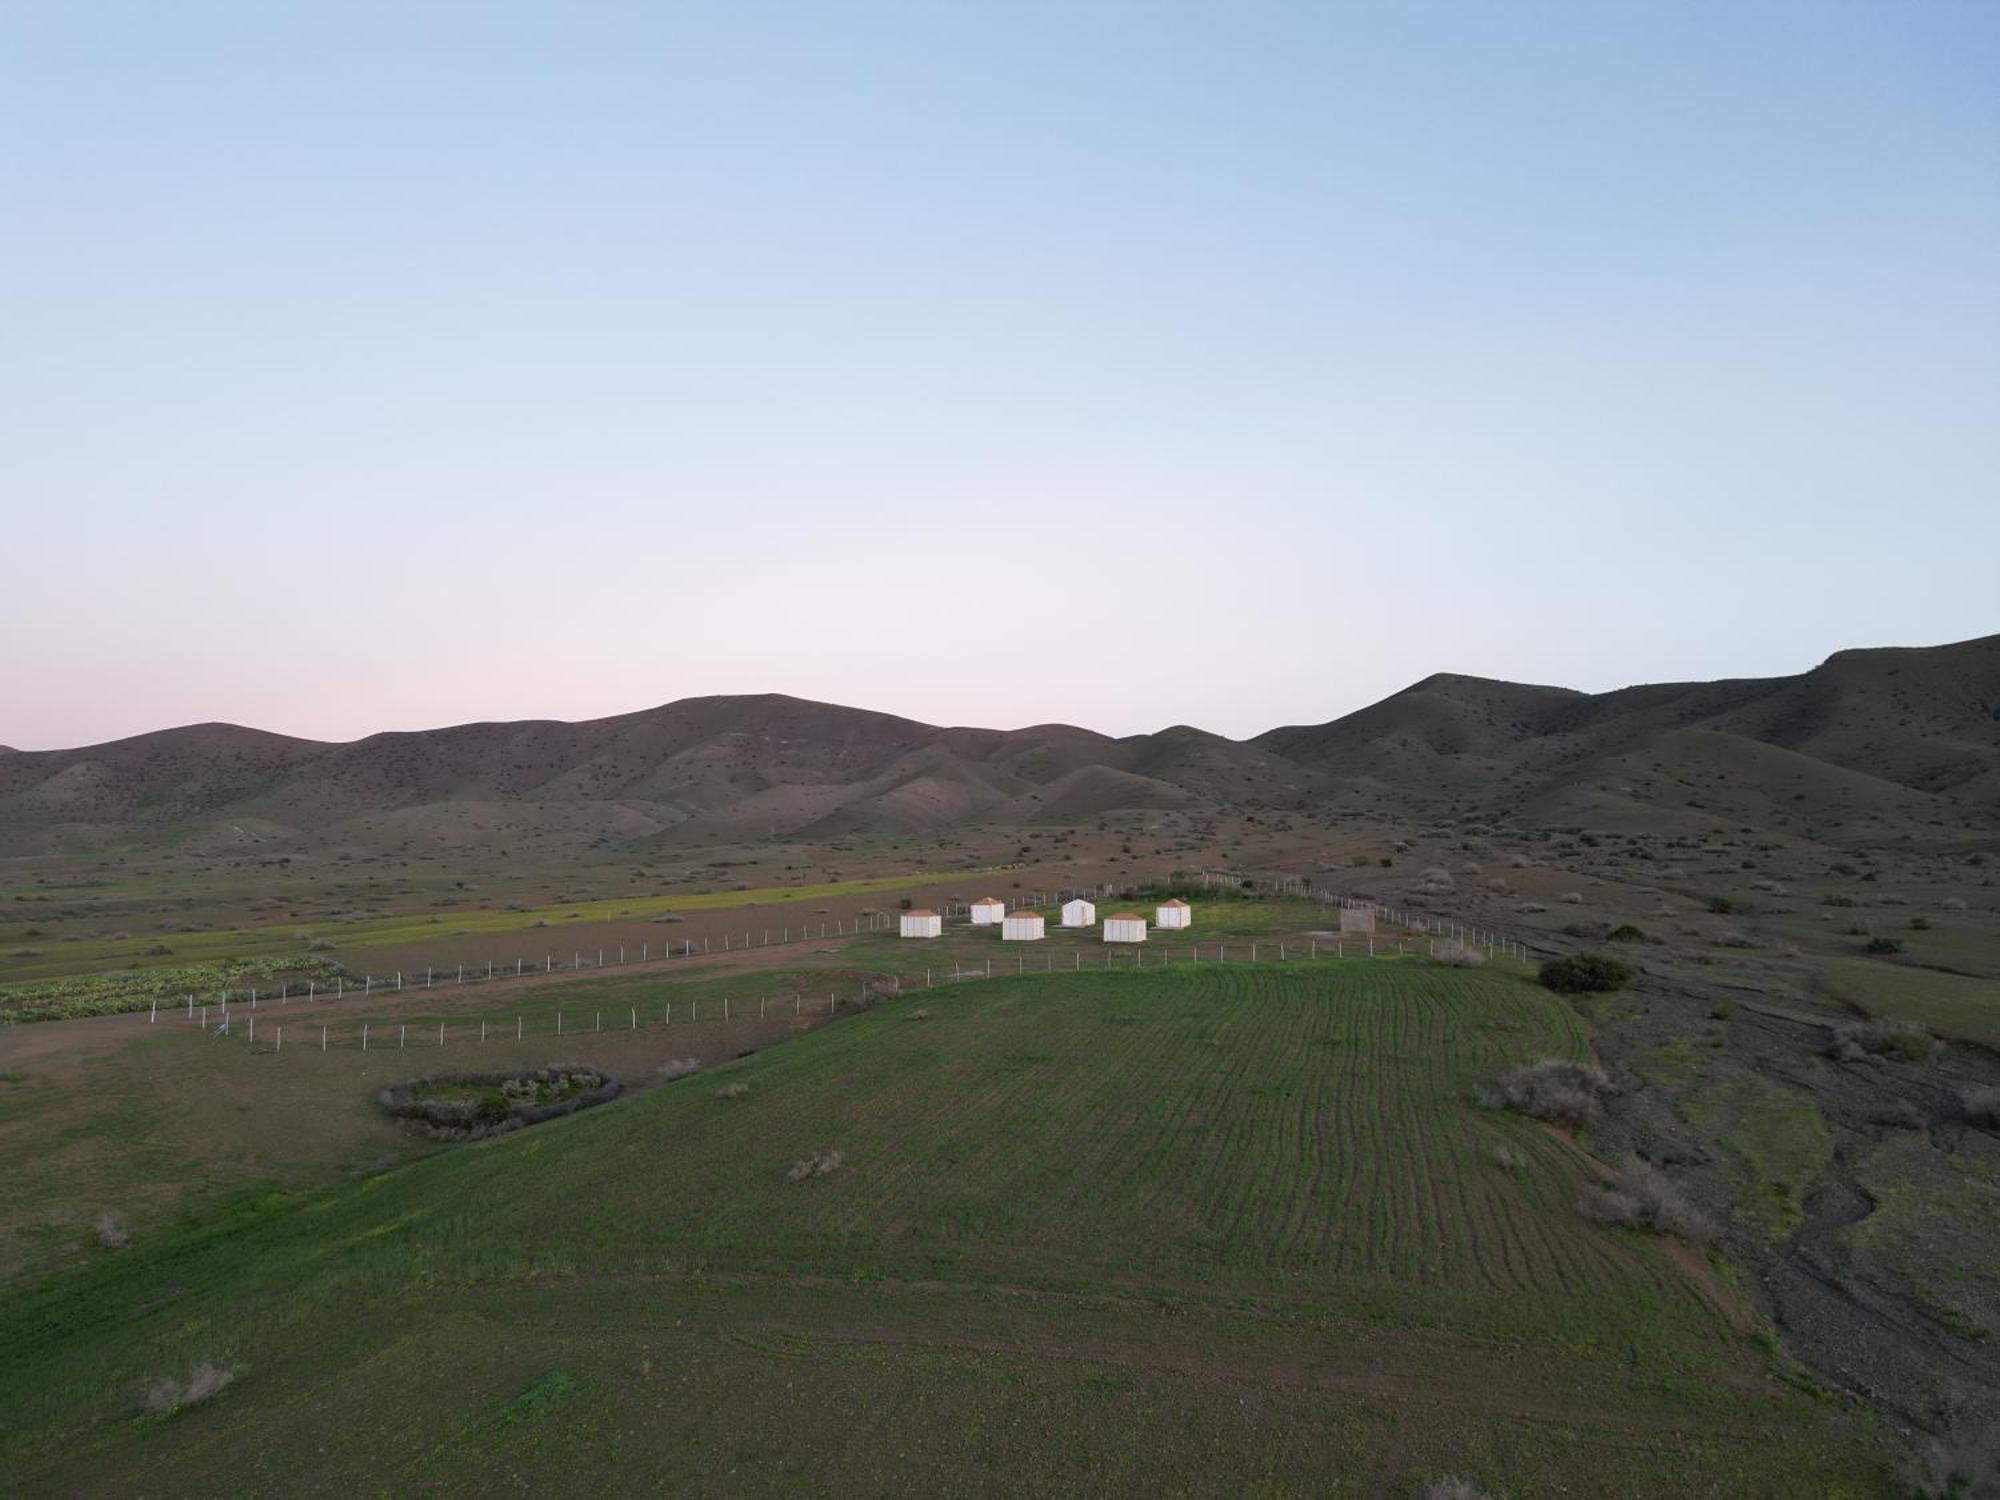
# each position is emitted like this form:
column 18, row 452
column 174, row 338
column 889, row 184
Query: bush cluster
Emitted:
column 1862, row 1041
column 169, row 1394
column 815, row 1166
column 1584, row 974
column 1982, row 1106
column 1458, row 955
column 483, row 1104
column 1641, row 1197
column 1553, row 1089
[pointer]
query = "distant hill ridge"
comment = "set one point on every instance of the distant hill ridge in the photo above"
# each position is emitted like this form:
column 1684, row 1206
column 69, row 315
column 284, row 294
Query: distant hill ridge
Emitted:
column 1866, row 737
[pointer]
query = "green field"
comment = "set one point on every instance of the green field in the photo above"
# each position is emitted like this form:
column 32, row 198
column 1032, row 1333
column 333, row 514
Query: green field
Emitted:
column 1192, row 1231
column 1952, row 1005
column 277, row 940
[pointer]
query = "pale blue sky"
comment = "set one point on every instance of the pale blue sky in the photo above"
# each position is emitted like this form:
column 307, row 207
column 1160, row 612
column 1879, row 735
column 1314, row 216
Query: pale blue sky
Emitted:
column 382, row 366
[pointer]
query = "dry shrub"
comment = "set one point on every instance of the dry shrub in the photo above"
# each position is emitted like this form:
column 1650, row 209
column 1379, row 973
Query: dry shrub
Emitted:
column 679, row 1067
column 1863, row 1041
column 1900, row 1114
column 1641, row 1197
column 166, row 1394
column 920, row 1015
column 1953, row 903
column 1572, row 898
column 732, row 1091
column 1553, row 1089
column 1530, row 908
column 1956, row 1465
column 815, row 1166
column 1507, row 1159
column 111, row 1231
column 1458, row 955
column 1982, row 1106
column 1451, row 1487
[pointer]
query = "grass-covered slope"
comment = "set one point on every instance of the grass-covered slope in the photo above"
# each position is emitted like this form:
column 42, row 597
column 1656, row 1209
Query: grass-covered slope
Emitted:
column 1200, row 1231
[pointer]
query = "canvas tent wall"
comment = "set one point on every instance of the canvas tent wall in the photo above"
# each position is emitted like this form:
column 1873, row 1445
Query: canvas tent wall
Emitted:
column 1175, row 913
column 1021, row 927
column 986, row 911
column 1079, row 913
column 1125, row 927
column 922, row 924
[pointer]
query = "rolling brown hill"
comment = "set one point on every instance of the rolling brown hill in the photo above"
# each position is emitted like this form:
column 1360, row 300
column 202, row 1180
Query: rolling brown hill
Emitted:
column 1866, row 741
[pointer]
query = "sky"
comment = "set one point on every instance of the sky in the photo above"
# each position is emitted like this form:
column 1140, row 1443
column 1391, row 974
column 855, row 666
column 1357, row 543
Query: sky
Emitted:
column 384, row 366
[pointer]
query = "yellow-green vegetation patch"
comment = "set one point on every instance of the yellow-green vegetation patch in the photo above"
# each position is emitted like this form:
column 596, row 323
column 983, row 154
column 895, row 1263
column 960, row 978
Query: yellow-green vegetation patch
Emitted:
column 1952, row 1005
column 1777, row 1141
column 267, row 942
column 1671, row 1066
column 138, row 989
column 1936, row 1219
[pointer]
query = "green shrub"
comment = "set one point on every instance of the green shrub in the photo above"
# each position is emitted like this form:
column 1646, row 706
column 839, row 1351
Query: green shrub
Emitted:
column 1584, row 974
column 1625, row 932
column 1884, row 945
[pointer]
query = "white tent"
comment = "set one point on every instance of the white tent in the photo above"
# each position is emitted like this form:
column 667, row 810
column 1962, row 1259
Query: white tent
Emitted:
column 1021, row 927
column 1175, row 913
column 1079, row 913
column 921, row 923
column 986, row 911
column 1124, row 927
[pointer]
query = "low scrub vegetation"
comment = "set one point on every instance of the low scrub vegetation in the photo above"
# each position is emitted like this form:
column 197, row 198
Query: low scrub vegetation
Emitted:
column 1982, row 1106
column 1458, row 955
column 1452, row 1488
column 822, row 1165
column 1584, row 974
column 1864, row 1041
column 1553, row 1089
column 679, row 1067
column 138, row 989
column 732, row 1091
column 468, row 1106
column 1961, row 1464
column 1641, row 1197
column 169, row 1393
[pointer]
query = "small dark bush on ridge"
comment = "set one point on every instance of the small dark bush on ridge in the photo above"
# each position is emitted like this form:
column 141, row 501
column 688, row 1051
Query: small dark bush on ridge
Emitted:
column 1552, row 1089
column 1641, row 1197
column 1584, row 974
column 1884, row 945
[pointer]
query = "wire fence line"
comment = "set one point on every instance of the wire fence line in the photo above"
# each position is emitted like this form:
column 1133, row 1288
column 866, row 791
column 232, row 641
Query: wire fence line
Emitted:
column 1429, row 927
column 224, row 1020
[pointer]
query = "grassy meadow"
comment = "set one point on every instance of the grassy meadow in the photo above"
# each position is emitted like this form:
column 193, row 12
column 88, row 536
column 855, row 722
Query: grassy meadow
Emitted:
column 1184, row 1231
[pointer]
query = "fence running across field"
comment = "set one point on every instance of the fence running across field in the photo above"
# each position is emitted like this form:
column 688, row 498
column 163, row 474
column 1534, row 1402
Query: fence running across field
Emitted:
column 241, row 1018
column 228, row 1005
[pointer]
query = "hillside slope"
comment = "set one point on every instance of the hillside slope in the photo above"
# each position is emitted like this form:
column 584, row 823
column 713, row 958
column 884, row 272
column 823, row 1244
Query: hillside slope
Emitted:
column 1869, row 739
